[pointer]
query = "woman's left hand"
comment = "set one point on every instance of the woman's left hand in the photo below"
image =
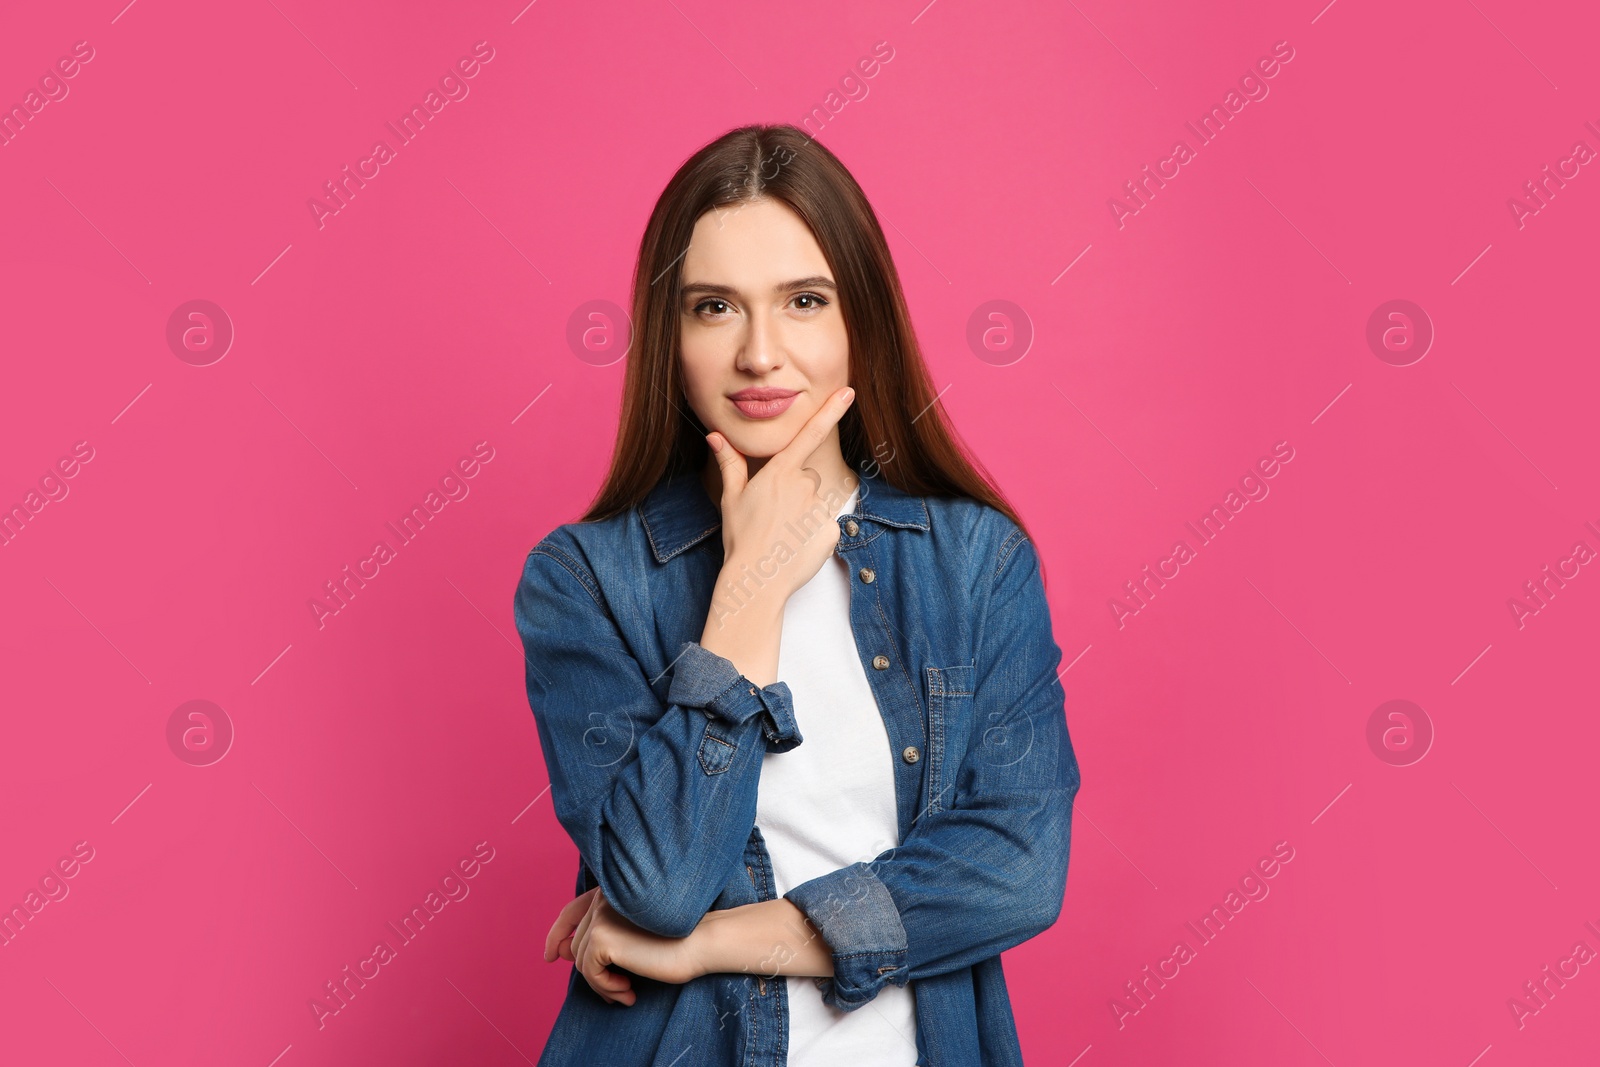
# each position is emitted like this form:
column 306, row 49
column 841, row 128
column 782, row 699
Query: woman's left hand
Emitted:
column 591, row 934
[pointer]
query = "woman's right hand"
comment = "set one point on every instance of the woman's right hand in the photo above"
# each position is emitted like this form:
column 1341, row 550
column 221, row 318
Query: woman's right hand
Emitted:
column 760, row 513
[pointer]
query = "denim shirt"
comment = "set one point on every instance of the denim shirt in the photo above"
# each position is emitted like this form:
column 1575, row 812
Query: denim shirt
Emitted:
column 654, row 747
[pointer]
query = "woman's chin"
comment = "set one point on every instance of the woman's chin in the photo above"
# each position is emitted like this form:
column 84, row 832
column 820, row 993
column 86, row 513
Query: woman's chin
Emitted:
column 758, row 445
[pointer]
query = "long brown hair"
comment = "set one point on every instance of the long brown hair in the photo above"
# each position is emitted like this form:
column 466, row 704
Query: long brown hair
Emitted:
column 895, row 429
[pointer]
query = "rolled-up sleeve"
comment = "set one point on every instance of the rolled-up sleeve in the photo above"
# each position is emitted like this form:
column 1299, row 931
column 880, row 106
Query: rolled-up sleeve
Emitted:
column 702, row 679
column 853, row 911
column 986, row 869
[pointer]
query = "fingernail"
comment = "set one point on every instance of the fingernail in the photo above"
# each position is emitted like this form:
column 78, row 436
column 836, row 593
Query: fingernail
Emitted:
column 849, row 393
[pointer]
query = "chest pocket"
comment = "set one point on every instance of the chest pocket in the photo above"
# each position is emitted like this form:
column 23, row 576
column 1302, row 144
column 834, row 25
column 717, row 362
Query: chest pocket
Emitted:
column 949, row 726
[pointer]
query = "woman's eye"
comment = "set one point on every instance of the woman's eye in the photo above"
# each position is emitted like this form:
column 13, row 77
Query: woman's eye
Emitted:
column 715, row 308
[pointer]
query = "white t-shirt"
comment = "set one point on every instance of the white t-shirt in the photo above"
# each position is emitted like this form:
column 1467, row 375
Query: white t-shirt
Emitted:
column 829, row 803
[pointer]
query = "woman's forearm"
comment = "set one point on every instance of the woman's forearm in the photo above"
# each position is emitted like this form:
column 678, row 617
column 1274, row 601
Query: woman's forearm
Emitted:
column 744, row 625
column 770, row 938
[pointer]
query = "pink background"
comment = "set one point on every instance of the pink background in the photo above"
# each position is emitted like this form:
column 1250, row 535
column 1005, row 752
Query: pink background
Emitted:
column 371, row 354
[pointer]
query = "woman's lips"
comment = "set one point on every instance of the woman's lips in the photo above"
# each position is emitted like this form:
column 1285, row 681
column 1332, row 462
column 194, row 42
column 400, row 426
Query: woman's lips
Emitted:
column 759, row 407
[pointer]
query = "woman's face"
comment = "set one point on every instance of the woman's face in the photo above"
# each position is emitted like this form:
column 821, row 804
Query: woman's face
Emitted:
column 762, row 336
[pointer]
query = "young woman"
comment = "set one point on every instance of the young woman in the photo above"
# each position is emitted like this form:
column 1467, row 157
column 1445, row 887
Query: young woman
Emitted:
column 793, row 674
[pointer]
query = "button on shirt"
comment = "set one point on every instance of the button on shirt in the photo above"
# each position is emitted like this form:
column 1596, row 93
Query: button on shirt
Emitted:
column 830, row 803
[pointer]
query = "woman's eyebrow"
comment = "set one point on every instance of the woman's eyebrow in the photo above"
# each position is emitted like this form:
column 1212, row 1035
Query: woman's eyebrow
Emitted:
column 816, row 281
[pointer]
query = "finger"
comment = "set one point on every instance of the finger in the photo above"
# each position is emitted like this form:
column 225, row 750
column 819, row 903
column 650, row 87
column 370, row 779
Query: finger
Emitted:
column 615, row 983
column 566, row 922
column 582, row 938
column 583, row 964
column 815, row 431
column 599, row 990
column 605, row 981
column 593, row 964
column 593, row 961
column 564, row 950
column 577, row 945
column 735, row 468
column 580, row 933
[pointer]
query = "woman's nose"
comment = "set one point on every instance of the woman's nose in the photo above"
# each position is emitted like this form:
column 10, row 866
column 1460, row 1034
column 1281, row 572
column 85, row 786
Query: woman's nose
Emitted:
column 762, row 350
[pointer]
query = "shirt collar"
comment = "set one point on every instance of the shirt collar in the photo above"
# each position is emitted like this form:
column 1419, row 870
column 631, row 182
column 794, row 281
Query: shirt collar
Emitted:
column 678, row 514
